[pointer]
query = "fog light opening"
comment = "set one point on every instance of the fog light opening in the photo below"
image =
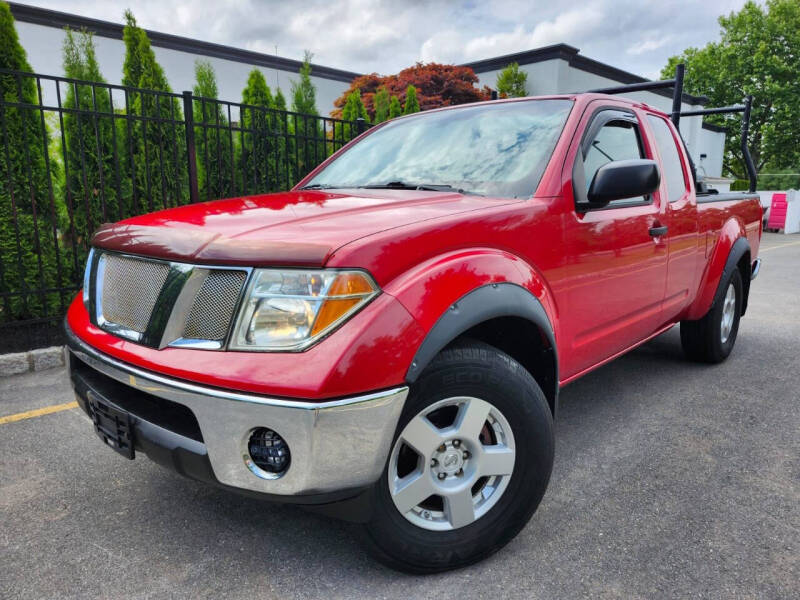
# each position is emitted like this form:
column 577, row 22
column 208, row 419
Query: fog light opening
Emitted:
column 267, row 454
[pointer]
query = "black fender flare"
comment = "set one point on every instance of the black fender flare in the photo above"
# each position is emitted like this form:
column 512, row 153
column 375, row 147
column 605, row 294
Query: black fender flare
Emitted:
column 477, row 306
column 740, row 247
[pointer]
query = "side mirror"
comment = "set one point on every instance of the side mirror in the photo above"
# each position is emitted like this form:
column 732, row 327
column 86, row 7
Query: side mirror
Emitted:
column 623, row 179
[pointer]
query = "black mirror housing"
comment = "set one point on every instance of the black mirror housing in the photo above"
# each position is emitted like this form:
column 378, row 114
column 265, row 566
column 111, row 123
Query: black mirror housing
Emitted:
column 622, row 179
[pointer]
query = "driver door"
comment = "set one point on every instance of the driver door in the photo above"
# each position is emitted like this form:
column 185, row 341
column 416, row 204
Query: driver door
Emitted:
column 616, row 282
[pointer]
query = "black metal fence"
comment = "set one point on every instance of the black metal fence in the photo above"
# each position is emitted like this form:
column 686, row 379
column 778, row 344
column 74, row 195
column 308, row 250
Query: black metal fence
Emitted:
column 75, row 154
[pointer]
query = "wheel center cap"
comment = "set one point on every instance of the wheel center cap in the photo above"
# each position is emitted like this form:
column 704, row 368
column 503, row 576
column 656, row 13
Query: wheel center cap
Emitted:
column 450, row 461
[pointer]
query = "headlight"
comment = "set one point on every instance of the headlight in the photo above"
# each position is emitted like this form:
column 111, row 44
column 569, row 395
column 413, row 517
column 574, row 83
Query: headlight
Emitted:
column 291, row 309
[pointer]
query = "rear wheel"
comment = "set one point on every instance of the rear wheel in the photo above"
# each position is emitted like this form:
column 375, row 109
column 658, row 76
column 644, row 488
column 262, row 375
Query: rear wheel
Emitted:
column 711, row 338
column 469, row 464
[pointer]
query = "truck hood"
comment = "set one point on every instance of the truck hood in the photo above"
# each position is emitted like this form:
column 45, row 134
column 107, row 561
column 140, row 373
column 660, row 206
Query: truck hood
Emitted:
column 296, row 228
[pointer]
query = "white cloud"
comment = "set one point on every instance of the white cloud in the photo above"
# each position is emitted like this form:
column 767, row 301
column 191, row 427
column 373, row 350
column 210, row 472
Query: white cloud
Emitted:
column 459, row 46
column 387, row 35
column 648, row 45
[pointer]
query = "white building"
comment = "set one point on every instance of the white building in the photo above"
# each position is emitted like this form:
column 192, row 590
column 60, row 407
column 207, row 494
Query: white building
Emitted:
column 41, row 33
column 553, row 69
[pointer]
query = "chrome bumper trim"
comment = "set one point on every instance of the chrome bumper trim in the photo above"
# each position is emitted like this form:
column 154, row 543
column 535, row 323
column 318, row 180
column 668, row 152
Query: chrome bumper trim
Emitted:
column 335, row 444
column 755, row 269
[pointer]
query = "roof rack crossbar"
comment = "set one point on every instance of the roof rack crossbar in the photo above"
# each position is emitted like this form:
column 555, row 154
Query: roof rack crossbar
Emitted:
column 677, row 97
column 738, row 108
column 635, row 87
column 713, row 111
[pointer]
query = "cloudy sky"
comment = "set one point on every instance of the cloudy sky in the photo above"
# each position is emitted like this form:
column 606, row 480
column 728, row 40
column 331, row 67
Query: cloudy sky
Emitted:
column 386, row 36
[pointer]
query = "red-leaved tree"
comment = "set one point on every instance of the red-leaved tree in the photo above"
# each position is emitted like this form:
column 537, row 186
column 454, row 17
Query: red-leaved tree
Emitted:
column 437, row 85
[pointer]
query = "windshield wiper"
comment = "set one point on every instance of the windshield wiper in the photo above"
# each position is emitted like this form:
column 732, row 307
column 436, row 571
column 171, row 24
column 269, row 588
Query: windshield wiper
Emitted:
column 320, row 186
column 433, row 187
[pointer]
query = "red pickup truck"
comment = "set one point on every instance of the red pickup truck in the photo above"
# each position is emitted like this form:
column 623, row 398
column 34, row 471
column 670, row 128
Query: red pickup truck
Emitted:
column 387, row 340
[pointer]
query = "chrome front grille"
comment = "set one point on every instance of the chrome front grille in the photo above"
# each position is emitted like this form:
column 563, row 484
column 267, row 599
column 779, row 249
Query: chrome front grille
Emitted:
column 212, row 310
column 159, row 303
column 130, row 290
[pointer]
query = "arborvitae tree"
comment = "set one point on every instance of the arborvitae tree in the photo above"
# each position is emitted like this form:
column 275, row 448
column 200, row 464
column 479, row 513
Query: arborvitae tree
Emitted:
column 280, row 100
column 308, row 135
column 159, row 152
column 511, row 82
column 257, row 155
column 304, row 94
column 284, row 171
column 212, row 140
column 92, row 184
column 132, row 65
column 353, row 110
column 28, row 212
column 395, row 110
column 381, row 104
column 412, row 104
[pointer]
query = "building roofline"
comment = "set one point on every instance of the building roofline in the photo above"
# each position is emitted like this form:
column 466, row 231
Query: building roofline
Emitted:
column 53, row 18
column 554, row 51
column 572, row 56
column 107, row 29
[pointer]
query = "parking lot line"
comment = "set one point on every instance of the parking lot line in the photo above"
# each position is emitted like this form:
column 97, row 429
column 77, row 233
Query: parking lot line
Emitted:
column 30, row 414
column 776, row 247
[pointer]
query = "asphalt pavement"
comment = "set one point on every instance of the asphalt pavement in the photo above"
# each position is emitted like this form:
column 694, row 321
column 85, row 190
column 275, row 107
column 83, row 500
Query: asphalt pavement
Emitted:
column 671, row 480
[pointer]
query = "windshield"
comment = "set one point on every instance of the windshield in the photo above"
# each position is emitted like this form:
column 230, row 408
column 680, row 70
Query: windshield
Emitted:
column 495, row 149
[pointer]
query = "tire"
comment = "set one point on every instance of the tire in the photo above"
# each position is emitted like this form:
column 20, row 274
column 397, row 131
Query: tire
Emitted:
column 458, row 387
column 711, row 338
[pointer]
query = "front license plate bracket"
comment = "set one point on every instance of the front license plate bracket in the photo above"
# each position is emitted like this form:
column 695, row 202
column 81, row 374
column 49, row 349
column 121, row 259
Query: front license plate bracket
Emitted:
column 112, row 425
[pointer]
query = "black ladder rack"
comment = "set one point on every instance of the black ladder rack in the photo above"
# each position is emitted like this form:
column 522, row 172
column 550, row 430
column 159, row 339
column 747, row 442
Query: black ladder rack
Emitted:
column 677, row 96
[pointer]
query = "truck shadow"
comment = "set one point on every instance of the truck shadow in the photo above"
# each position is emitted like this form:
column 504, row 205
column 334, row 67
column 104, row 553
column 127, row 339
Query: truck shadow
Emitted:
column 255, row 534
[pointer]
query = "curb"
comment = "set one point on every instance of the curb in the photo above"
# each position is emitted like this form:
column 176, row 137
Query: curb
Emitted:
column 33, row 360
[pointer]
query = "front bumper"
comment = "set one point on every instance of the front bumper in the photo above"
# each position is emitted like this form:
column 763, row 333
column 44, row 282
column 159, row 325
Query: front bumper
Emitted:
column 335, row 445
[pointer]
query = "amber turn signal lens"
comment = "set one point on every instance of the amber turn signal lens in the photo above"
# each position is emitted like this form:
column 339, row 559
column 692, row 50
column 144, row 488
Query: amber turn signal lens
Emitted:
column 348, row 290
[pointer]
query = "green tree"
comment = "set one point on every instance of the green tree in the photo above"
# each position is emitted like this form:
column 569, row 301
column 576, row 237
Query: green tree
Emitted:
column 381, row 104
column 284, row 177
column 132, row 65
column 511, row 82
column 308, row 134
column 212, row 139
column 280, row 100
column 257, row 158
column 412, row 104
column 758, row 53
column 160, row 177
column 92, row 184
column 29, row 236
column 395, row 110
column 304, row 94
column 352, row 111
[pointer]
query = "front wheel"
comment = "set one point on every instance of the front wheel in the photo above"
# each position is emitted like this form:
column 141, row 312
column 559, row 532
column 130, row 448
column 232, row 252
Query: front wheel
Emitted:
column 469, row 464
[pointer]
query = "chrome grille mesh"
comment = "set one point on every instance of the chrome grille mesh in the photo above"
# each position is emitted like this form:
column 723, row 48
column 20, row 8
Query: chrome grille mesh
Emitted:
column 130, row 290
column 212, row 310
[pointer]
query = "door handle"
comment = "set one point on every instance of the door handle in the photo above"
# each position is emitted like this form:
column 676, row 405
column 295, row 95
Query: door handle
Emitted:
column 657, row 231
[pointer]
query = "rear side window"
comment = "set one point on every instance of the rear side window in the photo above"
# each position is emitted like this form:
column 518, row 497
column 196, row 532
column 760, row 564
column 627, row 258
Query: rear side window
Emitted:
column 672, row 166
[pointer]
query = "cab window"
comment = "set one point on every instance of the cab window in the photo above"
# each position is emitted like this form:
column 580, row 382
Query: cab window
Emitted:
column 615, row 140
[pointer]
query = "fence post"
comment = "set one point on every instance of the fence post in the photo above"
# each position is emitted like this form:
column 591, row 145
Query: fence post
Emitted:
column 361, row 125
column 191, row 155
